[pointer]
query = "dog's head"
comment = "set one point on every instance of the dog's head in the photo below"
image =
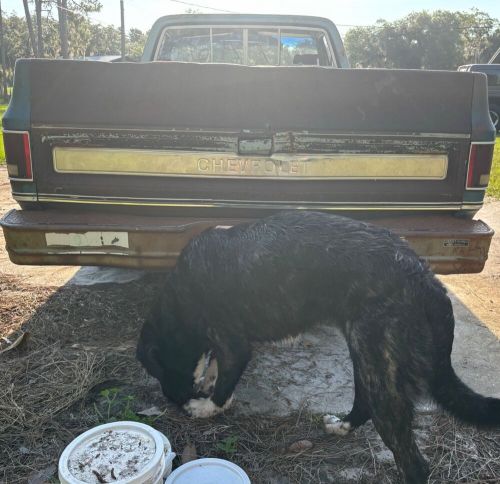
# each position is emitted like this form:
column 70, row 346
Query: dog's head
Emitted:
column 180, row 358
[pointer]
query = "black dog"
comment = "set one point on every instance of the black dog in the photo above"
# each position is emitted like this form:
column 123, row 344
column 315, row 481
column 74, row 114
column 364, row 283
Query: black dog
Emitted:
column 279, row 276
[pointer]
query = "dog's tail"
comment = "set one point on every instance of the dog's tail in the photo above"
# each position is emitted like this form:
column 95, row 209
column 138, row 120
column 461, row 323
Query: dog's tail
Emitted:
column 462, row 402
column 445, row 386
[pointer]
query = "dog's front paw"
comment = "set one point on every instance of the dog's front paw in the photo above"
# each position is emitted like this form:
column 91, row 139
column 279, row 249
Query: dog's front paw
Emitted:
column 205, row 407
column 333, row 425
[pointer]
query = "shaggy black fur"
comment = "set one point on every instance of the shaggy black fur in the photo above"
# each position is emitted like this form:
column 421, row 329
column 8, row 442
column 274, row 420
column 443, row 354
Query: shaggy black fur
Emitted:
column 279, row 276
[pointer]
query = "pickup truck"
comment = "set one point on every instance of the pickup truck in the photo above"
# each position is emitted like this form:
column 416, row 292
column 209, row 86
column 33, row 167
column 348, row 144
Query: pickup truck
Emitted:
column 492, row 72
column 229, row 118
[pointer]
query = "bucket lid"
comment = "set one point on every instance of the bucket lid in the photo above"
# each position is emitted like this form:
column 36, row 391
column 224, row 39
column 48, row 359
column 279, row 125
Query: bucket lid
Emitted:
column 208, row 471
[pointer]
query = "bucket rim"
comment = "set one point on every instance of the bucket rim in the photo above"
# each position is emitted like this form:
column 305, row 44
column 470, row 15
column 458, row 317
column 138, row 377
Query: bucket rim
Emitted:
column 162, row 449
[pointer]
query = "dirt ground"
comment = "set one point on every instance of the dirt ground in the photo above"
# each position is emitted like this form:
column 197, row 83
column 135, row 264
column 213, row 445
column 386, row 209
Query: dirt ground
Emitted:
column 481, row 292
column 75, row 368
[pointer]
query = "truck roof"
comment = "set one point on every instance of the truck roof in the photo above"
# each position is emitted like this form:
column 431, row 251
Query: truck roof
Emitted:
column 242, row 18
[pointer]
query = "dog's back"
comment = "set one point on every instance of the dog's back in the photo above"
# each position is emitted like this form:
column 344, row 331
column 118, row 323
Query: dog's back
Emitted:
column 294, row 269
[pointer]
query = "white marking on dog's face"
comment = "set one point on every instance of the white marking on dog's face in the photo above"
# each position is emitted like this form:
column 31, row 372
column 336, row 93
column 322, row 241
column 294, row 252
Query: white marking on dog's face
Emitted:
column 205, row 407
column 205, row 373
column 210, row 378
column 199, row 370
column 333, row 425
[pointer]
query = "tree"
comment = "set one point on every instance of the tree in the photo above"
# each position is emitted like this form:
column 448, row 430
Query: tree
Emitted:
column 477, row 29
column 492, row 45
column 136, row 42
column 62, row 9
column 16, row 38
column 104, row 40
column 69, row 14
column 3, row 58
column 39, row 31
column 30, row 28
column 363, row 47
column 424, row 40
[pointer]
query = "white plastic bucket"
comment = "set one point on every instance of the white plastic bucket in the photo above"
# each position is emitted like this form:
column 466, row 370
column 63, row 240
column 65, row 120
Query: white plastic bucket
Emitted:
column 208, row 471
column 154, row 471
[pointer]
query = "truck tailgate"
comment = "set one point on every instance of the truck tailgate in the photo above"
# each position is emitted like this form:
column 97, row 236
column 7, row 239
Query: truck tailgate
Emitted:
column 226, row 137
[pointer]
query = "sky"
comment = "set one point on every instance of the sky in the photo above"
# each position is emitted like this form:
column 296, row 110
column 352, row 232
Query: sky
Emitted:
column 142, row 13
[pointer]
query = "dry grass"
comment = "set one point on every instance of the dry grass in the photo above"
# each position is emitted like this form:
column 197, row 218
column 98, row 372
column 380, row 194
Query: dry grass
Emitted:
column 77, row 339
column 82, row 340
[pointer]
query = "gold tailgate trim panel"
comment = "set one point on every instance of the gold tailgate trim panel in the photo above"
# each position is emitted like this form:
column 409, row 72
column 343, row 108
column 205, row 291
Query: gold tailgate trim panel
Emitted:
column 109, row 161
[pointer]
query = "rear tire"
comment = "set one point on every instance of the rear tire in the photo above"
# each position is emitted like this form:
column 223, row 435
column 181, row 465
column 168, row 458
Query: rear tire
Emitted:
column 495, row 116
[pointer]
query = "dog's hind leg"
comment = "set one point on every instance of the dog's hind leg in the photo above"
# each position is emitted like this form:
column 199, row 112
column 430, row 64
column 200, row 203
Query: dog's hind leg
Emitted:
column 390, row 407
column 359, row 414
column 393, row 421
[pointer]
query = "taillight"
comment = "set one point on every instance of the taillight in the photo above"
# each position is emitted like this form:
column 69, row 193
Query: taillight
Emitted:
column 18, row 154
column 478, row 170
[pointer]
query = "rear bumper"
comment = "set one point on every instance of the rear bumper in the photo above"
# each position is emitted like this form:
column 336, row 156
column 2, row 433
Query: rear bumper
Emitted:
column 451, row 245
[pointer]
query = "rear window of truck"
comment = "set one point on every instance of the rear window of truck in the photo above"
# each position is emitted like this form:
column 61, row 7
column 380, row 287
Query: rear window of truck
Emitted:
column 266, row 46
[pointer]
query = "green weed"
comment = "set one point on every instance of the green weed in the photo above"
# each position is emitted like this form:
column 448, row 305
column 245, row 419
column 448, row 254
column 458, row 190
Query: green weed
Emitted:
column 117, row 406
column 229, row 445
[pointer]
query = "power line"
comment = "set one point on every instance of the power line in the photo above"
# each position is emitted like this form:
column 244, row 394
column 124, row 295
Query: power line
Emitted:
column 54, row 2
column 351, row 25
column 203, row 6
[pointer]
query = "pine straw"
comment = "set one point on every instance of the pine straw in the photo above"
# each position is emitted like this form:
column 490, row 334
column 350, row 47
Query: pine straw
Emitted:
column 76, row 339
column 82, row 340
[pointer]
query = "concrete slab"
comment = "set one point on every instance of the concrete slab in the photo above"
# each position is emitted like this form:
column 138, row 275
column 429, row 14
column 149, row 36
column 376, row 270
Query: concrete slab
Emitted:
column 316, row 372
column 476, row 352
column 91, row 275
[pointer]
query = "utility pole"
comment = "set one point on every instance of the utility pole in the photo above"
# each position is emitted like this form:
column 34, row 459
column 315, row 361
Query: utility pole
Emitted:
column 122, row 13
column 4, row 64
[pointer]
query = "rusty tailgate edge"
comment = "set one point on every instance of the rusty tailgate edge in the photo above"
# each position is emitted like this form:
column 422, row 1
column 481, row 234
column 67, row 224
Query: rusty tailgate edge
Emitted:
column 450, row 245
